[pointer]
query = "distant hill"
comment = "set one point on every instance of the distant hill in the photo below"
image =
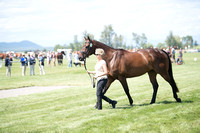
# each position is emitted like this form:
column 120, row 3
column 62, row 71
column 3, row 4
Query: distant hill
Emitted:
column 19, row 46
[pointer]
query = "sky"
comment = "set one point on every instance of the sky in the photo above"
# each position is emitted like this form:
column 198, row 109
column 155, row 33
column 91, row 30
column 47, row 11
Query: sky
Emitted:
column 51, row 22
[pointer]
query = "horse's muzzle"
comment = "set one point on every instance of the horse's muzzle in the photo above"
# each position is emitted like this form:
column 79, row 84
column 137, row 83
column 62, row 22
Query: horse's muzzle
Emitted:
column 81, row 58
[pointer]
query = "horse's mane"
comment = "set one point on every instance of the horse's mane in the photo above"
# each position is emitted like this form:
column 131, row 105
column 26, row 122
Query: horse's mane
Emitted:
column 102, row 44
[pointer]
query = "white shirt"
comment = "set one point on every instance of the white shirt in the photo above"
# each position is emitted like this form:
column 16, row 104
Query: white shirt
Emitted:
column 99, row 70
column 76, row 58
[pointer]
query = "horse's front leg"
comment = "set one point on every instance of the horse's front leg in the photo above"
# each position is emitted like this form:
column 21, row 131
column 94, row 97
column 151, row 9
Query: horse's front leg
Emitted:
column 126, row 89
column 109, row 82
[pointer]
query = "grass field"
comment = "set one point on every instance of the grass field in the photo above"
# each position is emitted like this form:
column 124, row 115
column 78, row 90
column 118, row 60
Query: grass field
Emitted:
column 71, row 109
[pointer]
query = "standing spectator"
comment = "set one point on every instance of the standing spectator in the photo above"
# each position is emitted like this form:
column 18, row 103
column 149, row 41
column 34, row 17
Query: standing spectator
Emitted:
column 179, row 60
column 8, row 66
column 10, row 58
column 173, row 52
column 26, row 62
column 70, row 59
column 53, row 58
column 76, row 60
column 32, row 64
column 41, row 64
column 23, row 64
column 48, row 59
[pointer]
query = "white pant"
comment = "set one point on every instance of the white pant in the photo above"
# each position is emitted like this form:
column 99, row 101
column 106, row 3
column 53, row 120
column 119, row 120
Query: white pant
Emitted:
column 32, row 69
column 42, row 69
column 23, row 70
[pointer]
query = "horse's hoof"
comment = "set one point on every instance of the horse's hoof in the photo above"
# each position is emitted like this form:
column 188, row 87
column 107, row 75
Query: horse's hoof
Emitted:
column 152, row 102
column 178, row 100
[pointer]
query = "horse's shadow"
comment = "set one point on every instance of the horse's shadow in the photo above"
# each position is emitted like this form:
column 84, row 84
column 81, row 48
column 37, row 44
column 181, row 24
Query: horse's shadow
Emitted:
column 148, row 104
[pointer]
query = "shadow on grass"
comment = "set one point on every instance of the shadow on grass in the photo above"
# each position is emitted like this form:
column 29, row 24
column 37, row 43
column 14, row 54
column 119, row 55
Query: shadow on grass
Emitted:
column 148, row 104
column 169, row 102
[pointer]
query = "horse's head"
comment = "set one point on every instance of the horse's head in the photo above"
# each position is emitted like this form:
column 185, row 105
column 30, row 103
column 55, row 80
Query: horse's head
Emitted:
column 87, row 50
column 62, row 52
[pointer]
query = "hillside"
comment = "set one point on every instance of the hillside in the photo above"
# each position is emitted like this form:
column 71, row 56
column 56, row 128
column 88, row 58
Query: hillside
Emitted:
column 19, row 46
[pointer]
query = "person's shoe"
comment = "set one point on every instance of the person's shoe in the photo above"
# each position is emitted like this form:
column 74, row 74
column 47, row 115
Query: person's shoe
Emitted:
column 114, row 103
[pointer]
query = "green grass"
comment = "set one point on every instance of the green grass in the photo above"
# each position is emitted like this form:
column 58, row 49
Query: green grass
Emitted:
column 71, row 109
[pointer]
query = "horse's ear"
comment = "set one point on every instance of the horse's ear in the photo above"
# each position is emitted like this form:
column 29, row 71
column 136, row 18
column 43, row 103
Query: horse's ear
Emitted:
column 89, row 39
column 85, row 38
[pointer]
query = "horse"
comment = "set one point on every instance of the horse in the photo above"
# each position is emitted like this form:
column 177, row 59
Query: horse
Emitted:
column 18, row 55
column 60, row 57
column 123, row 64
column 2, row 56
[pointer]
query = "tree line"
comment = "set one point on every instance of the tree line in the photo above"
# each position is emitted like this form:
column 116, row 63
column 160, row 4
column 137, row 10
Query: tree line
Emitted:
column 112, row 39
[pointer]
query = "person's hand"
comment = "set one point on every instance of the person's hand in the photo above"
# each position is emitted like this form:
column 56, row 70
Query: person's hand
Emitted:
column 95, row 77
column 88, row 71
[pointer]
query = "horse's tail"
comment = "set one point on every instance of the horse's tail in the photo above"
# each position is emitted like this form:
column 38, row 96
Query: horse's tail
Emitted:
column 171, row 73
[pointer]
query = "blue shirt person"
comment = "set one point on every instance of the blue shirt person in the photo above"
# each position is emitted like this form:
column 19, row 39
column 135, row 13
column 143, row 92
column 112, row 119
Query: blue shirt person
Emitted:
column 23, row 64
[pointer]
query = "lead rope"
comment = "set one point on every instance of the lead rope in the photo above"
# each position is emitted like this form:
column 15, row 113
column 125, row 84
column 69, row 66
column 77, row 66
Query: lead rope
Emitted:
column 91, row 78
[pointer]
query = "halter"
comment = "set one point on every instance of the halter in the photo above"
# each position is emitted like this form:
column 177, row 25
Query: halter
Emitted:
column 86, row 54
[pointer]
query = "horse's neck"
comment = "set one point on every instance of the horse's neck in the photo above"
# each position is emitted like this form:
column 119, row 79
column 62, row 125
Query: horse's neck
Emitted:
column 108, row 50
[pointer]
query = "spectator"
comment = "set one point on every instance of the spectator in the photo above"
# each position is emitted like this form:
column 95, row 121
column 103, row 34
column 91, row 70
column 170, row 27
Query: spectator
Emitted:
column 69, row 59
column 179, row 60
column 8, row 66
column 23, row 64
column 41, row 64
column 53, row 55
column 76, row 60
column 48, row 59
column 173, row 52
column 32, row 64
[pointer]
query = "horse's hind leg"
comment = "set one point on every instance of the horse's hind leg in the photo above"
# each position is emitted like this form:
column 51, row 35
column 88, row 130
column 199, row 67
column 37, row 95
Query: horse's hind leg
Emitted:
column 171, row 81
column 152, row 77
column 126, row 89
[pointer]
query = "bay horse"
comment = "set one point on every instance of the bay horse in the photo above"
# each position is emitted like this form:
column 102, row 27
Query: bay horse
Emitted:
column 2, row 56
column 123, row 64
column 60, row 57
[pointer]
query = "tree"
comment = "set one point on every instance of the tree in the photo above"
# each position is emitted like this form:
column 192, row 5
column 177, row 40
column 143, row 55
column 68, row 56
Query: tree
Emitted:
column 170, row 41
column 140, row 40
column 195, row 43
column 178, row 41
column 86, row 34
column 147, row 45
column 107, row 35
column 136, row 38
column 173, row 41
column 115, row 41
column 187, row 40
column 76, row 44
column 161, row 45
column 58, row 46
column 122, row 43
column 143, row 41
